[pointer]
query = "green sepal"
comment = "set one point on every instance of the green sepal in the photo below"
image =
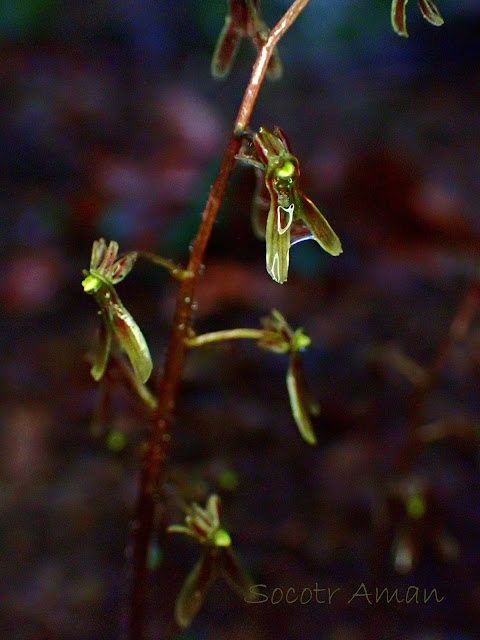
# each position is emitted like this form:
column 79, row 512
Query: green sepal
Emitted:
column 399, row 18
column 102, row 352
column 430, row 12
column 236, row 577
column 301, row 402
column 126, row 331
column 195, row 588
column 322, row 232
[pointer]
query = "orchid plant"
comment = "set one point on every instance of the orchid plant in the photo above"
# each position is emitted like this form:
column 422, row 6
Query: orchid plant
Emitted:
column 284, row 217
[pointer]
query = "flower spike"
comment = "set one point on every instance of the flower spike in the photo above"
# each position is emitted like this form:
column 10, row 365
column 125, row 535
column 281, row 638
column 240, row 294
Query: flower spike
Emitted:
column 243, row 21
column 292, row 217
column 398, row 15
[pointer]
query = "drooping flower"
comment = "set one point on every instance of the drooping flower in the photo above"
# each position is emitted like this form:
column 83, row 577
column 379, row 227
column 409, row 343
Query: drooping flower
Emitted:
column 105, row 272
column 279, row 337
column 243, row 21
column 292, row 217
column 217, row 560
column 399, row 19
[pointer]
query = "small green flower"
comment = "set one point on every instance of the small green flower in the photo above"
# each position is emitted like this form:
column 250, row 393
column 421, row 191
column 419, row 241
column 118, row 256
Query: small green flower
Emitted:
column 105, row 272
column 218, row 559
column 204, row 524
column 279, row 337
column 243, row 21
column 399, row 19
column 292, row 217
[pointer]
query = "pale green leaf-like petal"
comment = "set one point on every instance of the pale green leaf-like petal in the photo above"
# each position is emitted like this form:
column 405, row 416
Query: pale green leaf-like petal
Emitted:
column 225, row 49
column 300, row 402
column 123, row 266
column 399, row 18
column 233, row 572
column 127, row 333
column 102, row 352
column 430, row 12
column 321, row 230
column 213, row 509
column 195, row 588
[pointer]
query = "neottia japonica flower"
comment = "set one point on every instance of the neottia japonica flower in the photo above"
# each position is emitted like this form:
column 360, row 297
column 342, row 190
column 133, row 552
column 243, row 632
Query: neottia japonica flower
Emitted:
column 292, row 217
column 218, row 559
column 105, row 272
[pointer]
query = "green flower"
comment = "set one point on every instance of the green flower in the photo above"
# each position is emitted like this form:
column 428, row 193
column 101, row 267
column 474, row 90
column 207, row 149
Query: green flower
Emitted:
column 218, row 559
column 279, row 337
column 204, row 524
column 243, row 21
column 399, row 19
column 292, row 217
column 105, row 272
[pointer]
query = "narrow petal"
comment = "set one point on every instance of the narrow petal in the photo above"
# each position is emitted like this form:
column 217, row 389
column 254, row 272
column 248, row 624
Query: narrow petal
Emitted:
column 280, row 134
column 109, row 258
column 127, row 332
column 430, row 12
column 179, row 528
column 249, row 154
column 102, row 353
column 195, row 588
column 225, row 49
column 123, row 266
column 321, row 230
column 213, row 509
column 98, row 252
column 278, row 243
column 234, row 573
column 399, row 19
column 299, row 401
column 269, row 146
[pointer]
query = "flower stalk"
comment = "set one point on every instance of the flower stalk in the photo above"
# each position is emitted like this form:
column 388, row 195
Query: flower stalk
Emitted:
column 155, row 450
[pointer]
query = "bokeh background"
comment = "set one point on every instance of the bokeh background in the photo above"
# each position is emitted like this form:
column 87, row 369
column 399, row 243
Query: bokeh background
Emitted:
column 112, row 126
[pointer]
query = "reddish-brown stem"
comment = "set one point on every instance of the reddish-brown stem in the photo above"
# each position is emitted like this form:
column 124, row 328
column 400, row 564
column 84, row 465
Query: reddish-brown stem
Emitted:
column 154, row 452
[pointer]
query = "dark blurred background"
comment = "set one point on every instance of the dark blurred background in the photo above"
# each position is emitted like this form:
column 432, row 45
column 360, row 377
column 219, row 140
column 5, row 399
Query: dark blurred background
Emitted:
column 112, row 126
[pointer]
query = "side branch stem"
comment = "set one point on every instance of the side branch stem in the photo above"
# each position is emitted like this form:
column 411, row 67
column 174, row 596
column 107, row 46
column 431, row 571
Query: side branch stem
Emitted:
column 221, row 336
column 155, row 449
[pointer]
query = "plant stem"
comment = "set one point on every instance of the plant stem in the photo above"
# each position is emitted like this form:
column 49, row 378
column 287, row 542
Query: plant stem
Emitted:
column 174, row 269
column 154, row 454
column 220, row 336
